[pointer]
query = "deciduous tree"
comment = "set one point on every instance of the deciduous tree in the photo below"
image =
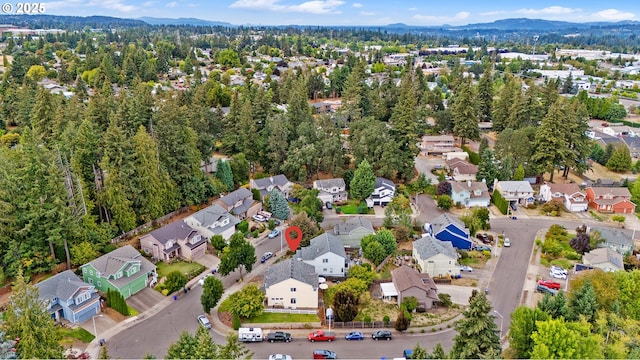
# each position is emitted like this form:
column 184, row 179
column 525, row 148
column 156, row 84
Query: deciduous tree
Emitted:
column 239, row 254
column 211, row 293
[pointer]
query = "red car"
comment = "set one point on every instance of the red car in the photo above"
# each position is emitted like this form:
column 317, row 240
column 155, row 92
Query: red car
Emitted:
column 549, row 284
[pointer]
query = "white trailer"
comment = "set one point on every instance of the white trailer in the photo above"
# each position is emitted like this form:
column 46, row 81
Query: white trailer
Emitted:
column 250, row 334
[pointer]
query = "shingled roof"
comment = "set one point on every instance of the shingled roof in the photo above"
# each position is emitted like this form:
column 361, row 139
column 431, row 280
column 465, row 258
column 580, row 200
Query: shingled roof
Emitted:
column 291, row 269
column 172, row 231
column 109, row 264
column 321, row 245
column 207, row 216
column 429, row 246
column 405, row 278
column 62, row 286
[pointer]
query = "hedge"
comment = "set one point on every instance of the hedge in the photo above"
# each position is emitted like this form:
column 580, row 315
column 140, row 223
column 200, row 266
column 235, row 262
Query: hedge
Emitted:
column 474, row 157
column 500, row 202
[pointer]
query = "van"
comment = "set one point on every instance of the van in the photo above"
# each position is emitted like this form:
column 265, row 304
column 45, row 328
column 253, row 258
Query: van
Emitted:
column 250, row 334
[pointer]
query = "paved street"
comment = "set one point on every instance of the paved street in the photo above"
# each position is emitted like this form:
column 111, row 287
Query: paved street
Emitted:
column 425, row 164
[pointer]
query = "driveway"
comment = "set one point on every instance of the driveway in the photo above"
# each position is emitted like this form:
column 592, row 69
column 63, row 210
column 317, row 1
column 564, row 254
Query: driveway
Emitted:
column 145, row 299
column 424, row 165
column 459, row 294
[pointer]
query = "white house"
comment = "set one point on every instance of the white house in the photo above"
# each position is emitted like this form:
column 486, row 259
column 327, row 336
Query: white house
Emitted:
column 462, row 155
column 604, row 258
column 436, row 258
column 620, row 130
column 326, row 253
column 291, row 284
column 569, row 195
column 470, row 193
column 383, row 192
column 265, row 185
column 331, row 190
column 213, row 220
column 520, row 192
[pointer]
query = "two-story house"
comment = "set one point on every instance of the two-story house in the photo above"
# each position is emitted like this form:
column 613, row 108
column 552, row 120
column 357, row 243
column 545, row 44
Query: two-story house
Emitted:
column 291, row 284
column 124, row 270
column 470, row 193
column 409, row 282
column 383, row 192
column 447, row 228
column 605, row 259
column 265, row 185
column 67, row 297
column 434, row 257
column 352, row 230
column 213, row 220
column 610, row 199
column 461, row 170
column 437, row 144
column 326, row 254
column 240, row 203
column 569, row 195
column 331, row 190
column 174, row 240
column 519, row 192
column 615, row 239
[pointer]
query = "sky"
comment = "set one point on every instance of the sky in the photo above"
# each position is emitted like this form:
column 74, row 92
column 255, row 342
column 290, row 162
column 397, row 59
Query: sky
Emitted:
column 359, row 12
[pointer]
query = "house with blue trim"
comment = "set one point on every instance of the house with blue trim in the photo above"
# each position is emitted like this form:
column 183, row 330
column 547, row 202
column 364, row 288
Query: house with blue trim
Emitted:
column 447, row 228
column 69, row 298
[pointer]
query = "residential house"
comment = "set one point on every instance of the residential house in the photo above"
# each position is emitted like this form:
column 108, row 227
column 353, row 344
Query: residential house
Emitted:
column 291, row 284
column 604, row 258
column 569, row 195
column 409, row 282
column 352, row 230
column 633, row 143
column 240, row 203
column 437, row 144
column 331, row 190
column 174, row 240
column 615, row 239
column 434, row 257
column 461, row 170
column 462, row 155
column 69, row 298
column 447, row 228
column 610, row 199
column 124, row 270
column 519, row 192
column 265, row 185
column 470, row 193
column 326, row 253
column 620, row 130
column 383, row 192
column 213, row 220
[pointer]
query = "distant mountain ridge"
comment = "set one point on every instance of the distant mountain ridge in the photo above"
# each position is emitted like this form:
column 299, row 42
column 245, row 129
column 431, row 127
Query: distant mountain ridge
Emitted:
column 184, row 21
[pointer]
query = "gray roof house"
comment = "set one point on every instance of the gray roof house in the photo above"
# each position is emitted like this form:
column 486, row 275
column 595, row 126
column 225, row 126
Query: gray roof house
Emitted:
column 213, row 220
column 435, row 257
column 331, row 190
column 67, row 297
column 326, row 253
column 291, row 283
column 518, row 191
column 240, row 203
column 353, row 230
column 176, row 239
column 604, row 258
column 615, row 240
column 265, row 185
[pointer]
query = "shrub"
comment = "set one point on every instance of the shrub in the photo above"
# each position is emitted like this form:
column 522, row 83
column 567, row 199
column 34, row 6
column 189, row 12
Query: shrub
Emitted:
column 272, row 224
column 362, row 208
column 236, row 322
column 108, row 248
column 243, row 226
column 445, row 299
column 386, row 320
column 175, row 281
column 367, row 320
column 573, row 256
column 255, row 233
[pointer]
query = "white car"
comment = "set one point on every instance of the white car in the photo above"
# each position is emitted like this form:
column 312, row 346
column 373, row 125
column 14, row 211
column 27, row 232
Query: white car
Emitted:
column 466, row 268
column 558, row 269
column 557, row 275
column 201, row 281
column 259, row 218
column 279, row 357
column 204, row 321
column 507, row 242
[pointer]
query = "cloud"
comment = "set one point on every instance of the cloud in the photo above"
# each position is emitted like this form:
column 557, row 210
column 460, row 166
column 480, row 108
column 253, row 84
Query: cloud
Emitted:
column 148, row 3
column 613, row 15
column 413, row 9
column 357, row 5
column 432, row 19
column 74, row 5
column 551, row 10
column 367, row 13
column 172, row 4
column 310, row 7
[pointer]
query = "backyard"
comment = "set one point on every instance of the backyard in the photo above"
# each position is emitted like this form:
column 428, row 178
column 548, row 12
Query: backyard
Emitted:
column 190, row 269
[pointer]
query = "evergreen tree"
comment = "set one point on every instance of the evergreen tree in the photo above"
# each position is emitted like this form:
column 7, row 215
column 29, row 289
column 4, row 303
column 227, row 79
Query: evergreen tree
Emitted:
column 464, row 110
column 485, row 94
column 223, row 172
column 402, row 321
column 28, row 320
column 523, row 324
column 345, row 305
column 582, row 302
column 551, row 143
column 363, row 183
column 477, row 331
column 278, row 205
column 404, row 129
column 519, row 174
column 487, row 169
column 502, row 106
column 620, row 159
column 240, row 169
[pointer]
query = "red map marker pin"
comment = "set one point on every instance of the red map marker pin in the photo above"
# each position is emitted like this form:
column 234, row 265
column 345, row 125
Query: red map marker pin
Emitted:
column 293, row 239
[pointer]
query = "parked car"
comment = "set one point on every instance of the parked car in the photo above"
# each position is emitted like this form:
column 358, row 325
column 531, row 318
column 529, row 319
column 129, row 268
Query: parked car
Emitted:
column 265, row 214
column 324, row 354
column 557, row 275
column 481, row 248
column 513, row 206
column 559, row 269
column 354, row 335
column 202, row 279
column 321, row 335
column 204, row 321
column 466, row 268
column 550, row 284
column 278, row 336
column 329, row 206
column 381, row 335
column 545, row 290
column 273, row 233
column 259, row 218
column 279, row 357
column 276, row 221
column 483, row 237
column 266, row 256
column 507, row 242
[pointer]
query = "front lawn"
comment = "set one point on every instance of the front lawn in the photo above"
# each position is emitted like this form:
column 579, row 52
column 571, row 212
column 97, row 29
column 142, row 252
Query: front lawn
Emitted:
column 78, row 334
column 284, row 318
column 351, row 208
column 190, row 268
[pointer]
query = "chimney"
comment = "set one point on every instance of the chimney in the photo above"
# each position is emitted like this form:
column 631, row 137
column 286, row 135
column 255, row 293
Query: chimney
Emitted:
column 469, row 183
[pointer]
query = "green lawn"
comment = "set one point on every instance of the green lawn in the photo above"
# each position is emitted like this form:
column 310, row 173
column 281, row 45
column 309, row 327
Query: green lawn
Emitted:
column 191, row 268
column 352, row 208
column 284, row 318
column 77, row 333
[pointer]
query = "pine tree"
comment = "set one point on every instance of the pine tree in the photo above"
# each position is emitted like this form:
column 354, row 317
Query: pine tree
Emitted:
column 485, row 94
column 551, row 144
column 223, row 172
column 583, row 303
column 363, row 183
column 278, row 205
column 402, row 321
column 404, row 128
column 477, row 331
column 487, row 169
column 464, row 110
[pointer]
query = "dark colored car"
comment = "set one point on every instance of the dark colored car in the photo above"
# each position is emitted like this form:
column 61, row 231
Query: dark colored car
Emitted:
column 481, row 248
column 545, row 290
column 483, row 237
column 513, row 206
column 329, row 206
column 278, row 336
column 324, row 354
column 381, row 335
